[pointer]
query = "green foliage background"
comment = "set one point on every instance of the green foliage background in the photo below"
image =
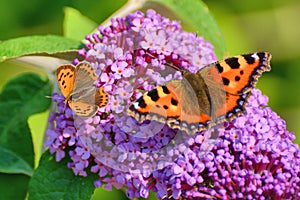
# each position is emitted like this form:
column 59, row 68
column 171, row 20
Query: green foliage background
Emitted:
column 248, row 26
column 270, row 25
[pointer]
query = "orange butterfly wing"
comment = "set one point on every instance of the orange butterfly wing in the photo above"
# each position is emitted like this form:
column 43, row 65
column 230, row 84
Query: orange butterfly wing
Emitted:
column 215, row 94
column 65, row 75
column 175, row 104
column 239, row 75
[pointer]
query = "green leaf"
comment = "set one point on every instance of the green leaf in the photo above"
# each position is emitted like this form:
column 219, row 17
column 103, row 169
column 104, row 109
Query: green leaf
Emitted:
column 13, row 186
column 20, row 98
column 13, row 163
column 52, row 45
column 76, row 25
column 195, row 16
column 54, row 180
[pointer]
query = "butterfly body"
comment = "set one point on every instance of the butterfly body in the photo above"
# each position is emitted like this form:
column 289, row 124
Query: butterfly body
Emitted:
column 77, row 86
column 216, row 93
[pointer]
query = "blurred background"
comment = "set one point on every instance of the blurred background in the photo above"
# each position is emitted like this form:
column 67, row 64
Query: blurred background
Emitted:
column 270, row 25
column 248, row 26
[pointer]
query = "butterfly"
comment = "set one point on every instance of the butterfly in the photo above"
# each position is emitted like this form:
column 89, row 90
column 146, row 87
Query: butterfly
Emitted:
column 216, row 93
column 77, row 86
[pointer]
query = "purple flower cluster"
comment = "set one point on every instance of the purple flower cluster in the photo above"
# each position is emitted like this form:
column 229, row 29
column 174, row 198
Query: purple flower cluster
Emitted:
column 253, row 156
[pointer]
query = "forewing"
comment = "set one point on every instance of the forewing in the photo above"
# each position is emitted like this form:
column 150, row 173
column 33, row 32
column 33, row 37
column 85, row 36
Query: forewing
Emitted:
column 230, row 82
column 65, row 75
column 240, row 73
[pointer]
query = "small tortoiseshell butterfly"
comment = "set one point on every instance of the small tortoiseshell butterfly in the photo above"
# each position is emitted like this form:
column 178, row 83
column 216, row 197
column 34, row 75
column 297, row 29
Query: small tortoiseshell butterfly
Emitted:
column 215, row 94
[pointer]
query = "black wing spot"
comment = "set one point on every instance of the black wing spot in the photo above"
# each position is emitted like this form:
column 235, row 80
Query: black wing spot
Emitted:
column 67, row 74
column 131, row 107
column 165, row 89
column 226, row 81
column 153, row 94
column 249, row 59
column 219, row 67
column 60, row 77
column 142, row 102
column 166, row 107
column 233, row 63
column 237, row 78
column 261, row 55
column 174, row 102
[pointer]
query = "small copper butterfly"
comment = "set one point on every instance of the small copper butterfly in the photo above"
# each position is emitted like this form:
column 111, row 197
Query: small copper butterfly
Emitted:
column 215, row 94
column 77, row 86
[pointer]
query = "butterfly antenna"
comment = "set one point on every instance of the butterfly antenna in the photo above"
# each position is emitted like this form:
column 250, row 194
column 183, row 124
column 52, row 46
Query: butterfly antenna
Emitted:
column 50, row 97
column 65, row 101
